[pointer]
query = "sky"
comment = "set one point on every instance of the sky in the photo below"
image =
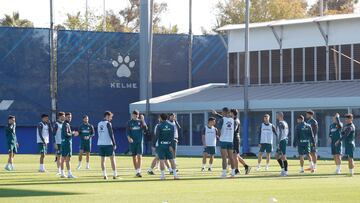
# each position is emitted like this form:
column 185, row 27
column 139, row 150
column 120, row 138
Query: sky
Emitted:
column 38, row 11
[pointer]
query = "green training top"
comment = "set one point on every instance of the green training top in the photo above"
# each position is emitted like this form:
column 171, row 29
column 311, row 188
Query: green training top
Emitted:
column 11, row 134
column 85, row 130
column 135, row 130
column 164, row 133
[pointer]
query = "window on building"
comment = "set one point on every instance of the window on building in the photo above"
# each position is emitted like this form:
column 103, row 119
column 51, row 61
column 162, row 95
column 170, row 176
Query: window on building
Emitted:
column 232, row 68
column 184, row 132
column 346, row 62
column 333, row 63
column 242, row 68
column 321, row 63
column 298, row 65
column 254, row 67
column 275, row 66
column 357, row 58
column 264, row 67
column 197, row 128
column 287, row 65
column 309, row 64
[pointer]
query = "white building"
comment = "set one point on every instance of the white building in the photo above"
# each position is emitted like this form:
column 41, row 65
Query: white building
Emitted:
column 295, row 65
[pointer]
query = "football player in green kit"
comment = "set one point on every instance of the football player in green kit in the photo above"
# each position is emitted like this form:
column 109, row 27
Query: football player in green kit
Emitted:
column 164, row 137
column 304, row 138
column 315, row 128
column 348, row 138
column 86, row 133
column 66, row 145
column 10, row 132
column 135, row 135
column 335, row 134
column 282, row 129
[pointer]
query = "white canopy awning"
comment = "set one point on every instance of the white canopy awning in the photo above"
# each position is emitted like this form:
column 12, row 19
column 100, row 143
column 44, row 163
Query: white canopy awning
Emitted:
column 337, row 94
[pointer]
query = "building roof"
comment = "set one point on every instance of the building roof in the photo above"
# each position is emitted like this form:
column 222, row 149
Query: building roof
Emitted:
column 289, row 22
column 336, row 94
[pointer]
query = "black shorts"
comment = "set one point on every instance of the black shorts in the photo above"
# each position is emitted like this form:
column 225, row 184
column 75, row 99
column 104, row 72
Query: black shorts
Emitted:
column 236, row 145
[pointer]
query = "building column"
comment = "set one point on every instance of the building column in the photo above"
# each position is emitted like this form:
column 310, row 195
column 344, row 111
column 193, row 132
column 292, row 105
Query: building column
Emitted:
column 190, row 129
column 292, row 128
column 273, row 121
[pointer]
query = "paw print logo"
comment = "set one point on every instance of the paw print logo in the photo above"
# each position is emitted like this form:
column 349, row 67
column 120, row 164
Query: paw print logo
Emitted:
column 123, row 66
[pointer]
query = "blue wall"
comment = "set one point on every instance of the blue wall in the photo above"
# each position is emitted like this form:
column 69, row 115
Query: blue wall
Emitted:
column 92, row 77
column 27, row 141
column 25, row 73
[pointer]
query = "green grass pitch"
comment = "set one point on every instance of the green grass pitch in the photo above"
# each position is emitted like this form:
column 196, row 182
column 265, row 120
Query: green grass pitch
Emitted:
column 25, row 184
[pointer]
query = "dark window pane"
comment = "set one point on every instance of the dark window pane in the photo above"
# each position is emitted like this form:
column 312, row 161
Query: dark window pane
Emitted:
column 287, row 65
column 298, row 65
column 357, row 57
column 333, row 63
column 232, row 68
column 242, row 67
column 309, row 64
column 264, row 67
column 275, row 66
column 197, row 127
column 254, row 67
column 184, row 133
column 346, row 62
column 321, row 63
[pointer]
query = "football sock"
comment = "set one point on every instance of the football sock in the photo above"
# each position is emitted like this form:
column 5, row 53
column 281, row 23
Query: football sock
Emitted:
column 104, row 173
column 281, row 163
column 286, row 165
column 115, row 173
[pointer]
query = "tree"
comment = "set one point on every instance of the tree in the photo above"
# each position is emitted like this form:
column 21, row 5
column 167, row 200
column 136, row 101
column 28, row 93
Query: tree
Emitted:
column 166, row 30
column 233, row 11
column 334, row 7
column 130, row 17
column 79, row 21
column 15, row 21
column 126, row 20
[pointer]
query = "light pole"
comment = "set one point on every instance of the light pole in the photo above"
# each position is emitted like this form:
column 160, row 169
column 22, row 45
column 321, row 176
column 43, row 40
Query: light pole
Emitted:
column 247, row 76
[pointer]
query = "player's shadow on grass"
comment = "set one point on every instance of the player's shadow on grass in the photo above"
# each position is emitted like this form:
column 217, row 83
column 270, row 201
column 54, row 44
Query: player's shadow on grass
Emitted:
column 7, row 192
column 98, row 181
